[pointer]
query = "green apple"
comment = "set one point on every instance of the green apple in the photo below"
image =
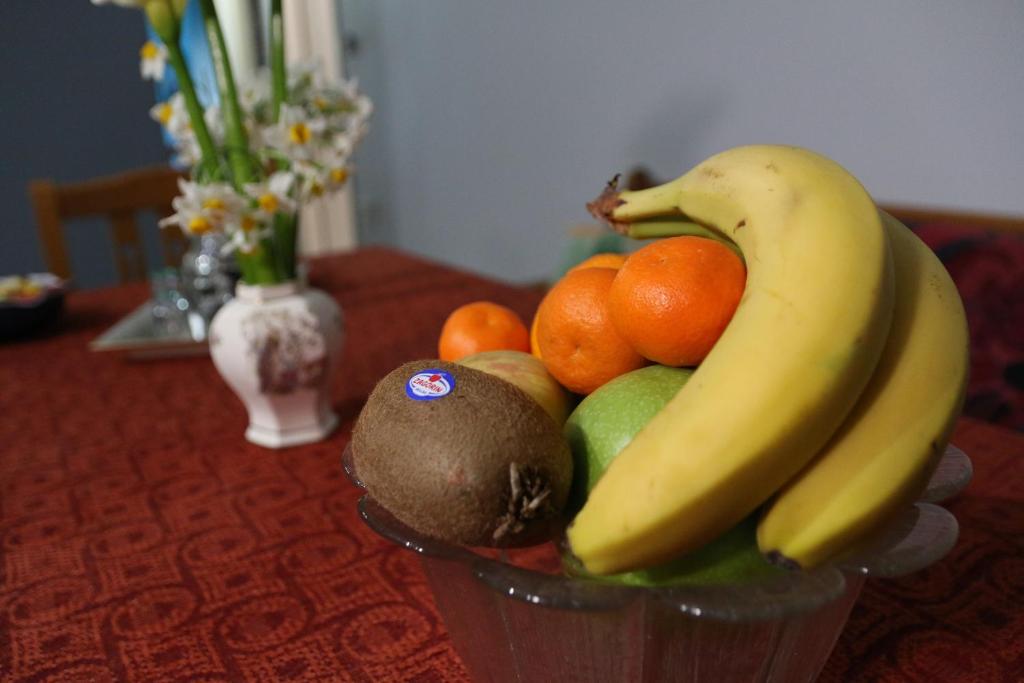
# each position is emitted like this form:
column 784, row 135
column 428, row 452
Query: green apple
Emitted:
column 529, row 374
column 608, row 419
column 600, row 427
column 733, row 557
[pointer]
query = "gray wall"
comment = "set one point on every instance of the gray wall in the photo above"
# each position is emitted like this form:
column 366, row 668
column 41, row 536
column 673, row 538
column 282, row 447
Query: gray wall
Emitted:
column 72, row 106
column 497, row 121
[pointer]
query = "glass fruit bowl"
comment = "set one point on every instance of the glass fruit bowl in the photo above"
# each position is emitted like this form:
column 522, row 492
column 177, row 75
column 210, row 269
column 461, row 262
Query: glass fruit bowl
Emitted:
column 513, row 614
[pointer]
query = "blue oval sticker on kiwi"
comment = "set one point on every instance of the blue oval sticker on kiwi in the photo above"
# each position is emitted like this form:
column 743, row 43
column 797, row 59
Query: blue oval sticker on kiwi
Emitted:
column 429, row 384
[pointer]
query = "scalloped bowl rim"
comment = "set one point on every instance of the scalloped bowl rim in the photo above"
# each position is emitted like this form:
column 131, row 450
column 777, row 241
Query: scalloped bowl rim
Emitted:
column 783, row 595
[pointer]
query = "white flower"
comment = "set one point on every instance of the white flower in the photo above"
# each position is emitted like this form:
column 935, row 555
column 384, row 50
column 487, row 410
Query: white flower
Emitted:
column 254, row 96
column 239, row 241
column 364, row 107
column 341, row 148
column 154, row 60
column 302, row 75
column 221, row 203
column 273, row 195
column 188, row 153
column 313, row 181
column 162, row 113
column 178, row 123
column 348, row 88
column 318, row 129
column 359, row 131
column 204, row 208
column 172, row 115
column 335, row 164
column 246, row 229
column 247, row 233
column 188, row 214
column 296, row 134
column 337, row 176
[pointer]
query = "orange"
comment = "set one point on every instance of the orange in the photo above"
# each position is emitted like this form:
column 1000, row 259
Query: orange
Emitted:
column 673, row 298
column 481, row 326
column 599, row 260
column 602, row 260
column 534, row 344
column 578, row 342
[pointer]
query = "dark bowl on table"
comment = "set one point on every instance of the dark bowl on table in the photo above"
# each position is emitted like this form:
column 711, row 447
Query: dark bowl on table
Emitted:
column 23, row 316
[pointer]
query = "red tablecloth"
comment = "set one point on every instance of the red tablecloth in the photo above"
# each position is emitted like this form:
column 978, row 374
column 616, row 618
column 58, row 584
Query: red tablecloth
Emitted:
column 144, row 540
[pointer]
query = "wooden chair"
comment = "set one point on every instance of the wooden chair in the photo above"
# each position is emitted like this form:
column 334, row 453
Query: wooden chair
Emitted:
column 119, row 198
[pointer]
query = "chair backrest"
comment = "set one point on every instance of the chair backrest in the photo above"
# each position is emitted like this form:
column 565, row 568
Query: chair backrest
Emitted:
column 119, row 198
column 968, row 220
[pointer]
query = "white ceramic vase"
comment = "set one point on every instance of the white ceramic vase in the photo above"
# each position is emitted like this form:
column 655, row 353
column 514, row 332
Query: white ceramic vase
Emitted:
column 277, row 346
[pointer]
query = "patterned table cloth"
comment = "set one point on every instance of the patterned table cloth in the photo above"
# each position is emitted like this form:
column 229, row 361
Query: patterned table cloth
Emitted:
column 142, row 539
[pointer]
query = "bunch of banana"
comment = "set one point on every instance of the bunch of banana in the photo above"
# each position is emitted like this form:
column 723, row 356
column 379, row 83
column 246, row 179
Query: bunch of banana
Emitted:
column 833, row 388
column 885, row 451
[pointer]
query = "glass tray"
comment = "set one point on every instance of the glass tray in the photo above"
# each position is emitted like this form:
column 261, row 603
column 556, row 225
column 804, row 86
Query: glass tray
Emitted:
column 138, row 337
column 514, row 616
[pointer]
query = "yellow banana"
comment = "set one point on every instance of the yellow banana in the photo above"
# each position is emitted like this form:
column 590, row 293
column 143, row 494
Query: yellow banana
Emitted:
column 802, row 345
column 882, row 456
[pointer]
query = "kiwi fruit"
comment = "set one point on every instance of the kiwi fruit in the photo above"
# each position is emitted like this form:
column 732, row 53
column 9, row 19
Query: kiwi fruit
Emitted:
column 462, row 456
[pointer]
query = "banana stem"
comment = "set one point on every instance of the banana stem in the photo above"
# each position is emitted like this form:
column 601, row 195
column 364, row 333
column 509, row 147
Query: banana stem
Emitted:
column 654, row 201
column 668, row 227
column 650, row 214
column 657, row 228
column 668, row 210
column 618, row 208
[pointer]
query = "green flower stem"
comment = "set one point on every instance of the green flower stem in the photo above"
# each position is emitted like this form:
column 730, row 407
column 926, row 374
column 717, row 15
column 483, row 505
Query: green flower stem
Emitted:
column 245, row 266
column 237, row 142
column 285, row 238
column 178, row 7
column 261, row 263
column 257, row 267
column 164, row 20
column 195, row 110
column 280, row 83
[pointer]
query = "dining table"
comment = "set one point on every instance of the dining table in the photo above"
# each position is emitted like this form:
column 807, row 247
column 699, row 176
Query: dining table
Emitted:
column 142, row 538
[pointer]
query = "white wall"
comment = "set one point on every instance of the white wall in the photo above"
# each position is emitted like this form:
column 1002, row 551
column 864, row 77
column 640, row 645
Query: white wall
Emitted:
column 497, row 121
